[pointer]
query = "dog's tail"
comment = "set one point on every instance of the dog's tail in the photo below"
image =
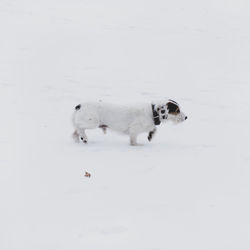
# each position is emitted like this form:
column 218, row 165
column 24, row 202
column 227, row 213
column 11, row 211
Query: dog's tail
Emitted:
column 78, row 107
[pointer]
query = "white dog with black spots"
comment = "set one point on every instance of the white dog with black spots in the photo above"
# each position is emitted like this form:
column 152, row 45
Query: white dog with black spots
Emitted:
column 131, row 120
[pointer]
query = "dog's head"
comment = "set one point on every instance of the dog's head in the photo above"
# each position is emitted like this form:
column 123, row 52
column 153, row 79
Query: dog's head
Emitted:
column 174, row 112
column 170, row 110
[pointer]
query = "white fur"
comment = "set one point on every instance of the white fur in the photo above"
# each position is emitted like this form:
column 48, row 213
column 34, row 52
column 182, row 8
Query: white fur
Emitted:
column 130, row 120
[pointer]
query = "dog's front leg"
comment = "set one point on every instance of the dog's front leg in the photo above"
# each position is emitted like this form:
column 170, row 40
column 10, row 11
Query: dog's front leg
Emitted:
column 133, row 141
column 151, row 134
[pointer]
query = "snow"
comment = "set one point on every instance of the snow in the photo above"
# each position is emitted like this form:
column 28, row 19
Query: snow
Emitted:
column 187, row 189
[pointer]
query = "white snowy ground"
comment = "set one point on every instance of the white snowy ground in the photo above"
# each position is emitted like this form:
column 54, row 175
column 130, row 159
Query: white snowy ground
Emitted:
column 188, row 189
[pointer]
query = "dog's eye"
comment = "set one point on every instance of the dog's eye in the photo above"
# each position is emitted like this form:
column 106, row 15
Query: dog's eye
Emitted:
column 162, row 111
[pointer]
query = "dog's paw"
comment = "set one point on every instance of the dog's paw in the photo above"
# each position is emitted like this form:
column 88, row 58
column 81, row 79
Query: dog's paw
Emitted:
column 136, row 144
column 84, row 140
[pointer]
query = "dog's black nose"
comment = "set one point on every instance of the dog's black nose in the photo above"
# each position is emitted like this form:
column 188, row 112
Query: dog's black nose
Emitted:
column 186, row 117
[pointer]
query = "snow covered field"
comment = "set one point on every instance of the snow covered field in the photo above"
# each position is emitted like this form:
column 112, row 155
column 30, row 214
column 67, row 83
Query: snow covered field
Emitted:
column 189, row 189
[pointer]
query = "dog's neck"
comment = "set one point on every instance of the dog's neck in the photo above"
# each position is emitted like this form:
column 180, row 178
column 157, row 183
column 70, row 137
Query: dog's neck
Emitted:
column 156, row 116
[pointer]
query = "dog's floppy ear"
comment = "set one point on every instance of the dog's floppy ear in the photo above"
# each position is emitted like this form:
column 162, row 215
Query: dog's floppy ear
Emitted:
column 172, row 107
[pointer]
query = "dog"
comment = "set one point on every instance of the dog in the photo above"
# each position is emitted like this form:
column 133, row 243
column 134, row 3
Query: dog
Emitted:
column 129, row 120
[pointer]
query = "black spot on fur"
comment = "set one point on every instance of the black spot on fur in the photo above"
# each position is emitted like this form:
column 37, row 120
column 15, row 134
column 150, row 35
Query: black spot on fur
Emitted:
column 150, row 135
column 78, row 107
column 103, row 126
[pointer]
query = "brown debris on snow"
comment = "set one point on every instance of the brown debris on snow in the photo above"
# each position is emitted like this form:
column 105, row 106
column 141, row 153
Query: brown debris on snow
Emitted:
column 87, row 174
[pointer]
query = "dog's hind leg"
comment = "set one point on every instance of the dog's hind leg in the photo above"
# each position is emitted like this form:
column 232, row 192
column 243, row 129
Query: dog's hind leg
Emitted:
column 76, row 136
column 82, row 135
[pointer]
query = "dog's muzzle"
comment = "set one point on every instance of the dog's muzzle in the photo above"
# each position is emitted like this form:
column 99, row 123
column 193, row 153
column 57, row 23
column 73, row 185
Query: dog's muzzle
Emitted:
column 183, row 117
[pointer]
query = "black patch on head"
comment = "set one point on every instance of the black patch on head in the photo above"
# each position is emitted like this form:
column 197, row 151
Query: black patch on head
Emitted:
column 173, row 108
column 78, row 107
